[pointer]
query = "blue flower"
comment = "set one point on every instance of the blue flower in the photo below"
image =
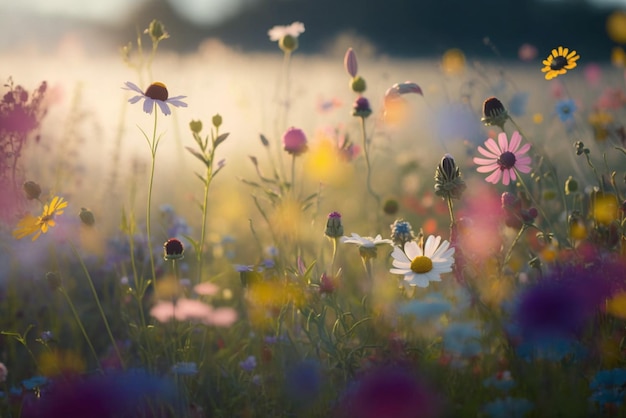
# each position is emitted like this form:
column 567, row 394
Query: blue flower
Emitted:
column 608, row 386
column 248, row 364
column 462, row 339
column 566, row 109
column 426, row 310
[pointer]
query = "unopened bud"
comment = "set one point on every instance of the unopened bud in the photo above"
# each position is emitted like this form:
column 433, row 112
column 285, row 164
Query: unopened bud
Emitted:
column 32, row 190
column 86, row 216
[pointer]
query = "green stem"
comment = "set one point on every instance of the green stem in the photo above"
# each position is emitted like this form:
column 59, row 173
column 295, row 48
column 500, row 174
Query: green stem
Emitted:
column 332, row 266
column 451, row 211
column 153, row 148
column 367, row 162
column 513, row 244
column 95, row 295
column 80, row 325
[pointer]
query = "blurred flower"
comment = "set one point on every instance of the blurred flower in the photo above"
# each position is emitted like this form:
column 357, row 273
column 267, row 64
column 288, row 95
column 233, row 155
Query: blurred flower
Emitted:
column 616, row 26
column 287, row 36
column 193, row 310
column 399, row 89
column 508, row 408
column 173, row 249
column 350, row 62
column 361, row 107
column 453, row 62
column 389, row 391
column 608, row 387
column 462, row 339
column 433, row 307
column 185, row 368
column 600, row 122
column 248, row 364
column 294, row 141
column 206, row 289
column 527, row 52
column 334, row 226
column 327, row 285
column 618, row 57
column 303, row 381
column 494, row 113
column 503, row 159
column 565, row 109
column 155, row 94
column 367, row 245
column 448, row 181
column 612, row 98
column 3, row 373
column 593, row 74
column 401, row 232
column 559, row 61
column 31, row 225
column 422, row 266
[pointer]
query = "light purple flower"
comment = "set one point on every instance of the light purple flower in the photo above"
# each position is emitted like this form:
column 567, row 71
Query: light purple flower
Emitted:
column 156, row 93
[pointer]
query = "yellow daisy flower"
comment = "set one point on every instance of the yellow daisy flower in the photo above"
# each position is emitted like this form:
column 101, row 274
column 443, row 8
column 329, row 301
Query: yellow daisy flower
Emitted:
column 38, row 225
column 559, row 61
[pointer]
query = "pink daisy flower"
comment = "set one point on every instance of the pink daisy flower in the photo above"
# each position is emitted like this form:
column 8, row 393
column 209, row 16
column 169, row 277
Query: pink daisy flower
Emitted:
column 504, row 159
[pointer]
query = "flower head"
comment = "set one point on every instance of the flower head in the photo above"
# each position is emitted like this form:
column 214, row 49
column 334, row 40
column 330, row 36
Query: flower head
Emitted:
column 566, row 109
column 422, row 266
column 559, row 61
column 361, row 107
column 401, row 232
column 503, row 158
column 173, row 249
column 494, row 113
column 334, row 226
column 155, row 94
column 294, row 141
column 448, row 181
column 287, row 36
column 38, row 225
column 367, row 245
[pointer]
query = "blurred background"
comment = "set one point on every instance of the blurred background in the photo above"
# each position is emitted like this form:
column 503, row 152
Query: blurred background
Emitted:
column 399, row 28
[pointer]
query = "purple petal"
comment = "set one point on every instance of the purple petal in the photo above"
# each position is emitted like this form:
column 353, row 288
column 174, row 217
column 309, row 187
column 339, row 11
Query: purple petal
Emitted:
column 133, row 86
column 148, row 105
column 164, row 107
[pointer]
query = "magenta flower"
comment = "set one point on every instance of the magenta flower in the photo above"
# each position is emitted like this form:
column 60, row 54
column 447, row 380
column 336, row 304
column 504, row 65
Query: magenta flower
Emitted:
column 294, row 141
column 504, row 159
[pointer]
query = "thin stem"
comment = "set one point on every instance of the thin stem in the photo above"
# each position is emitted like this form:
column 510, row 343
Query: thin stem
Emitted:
column 153, row 149
column 519, row 235
column 293, row 176
column 451, row 211
column 367, row 162
column 332, row 265
column 95, row 295
column 80, row 325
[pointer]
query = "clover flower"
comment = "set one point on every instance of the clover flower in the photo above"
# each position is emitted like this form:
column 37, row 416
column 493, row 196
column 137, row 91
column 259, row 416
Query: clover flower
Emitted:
column 156, row 94
column 40, row 225
column 420, row 266
column 294, row 141
column 503, row 158
column 559, row 61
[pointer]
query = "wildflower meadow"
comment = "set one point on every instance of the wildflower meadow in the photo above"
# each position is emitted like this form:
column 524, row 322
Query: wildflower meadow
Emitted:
column 221, row 234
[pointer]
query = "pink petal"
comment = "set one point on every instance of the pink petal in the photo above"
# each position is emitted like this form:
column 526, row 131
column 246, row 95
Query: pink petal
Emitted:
column 522, row 150
column 487, row 168
column 522, row 160
column 503, row 142
column 522, row 168
column 484, row 161
column 516, row 140
column 493, row 147
column 513, row 175
column 506, row 177
column 488, row 153
column 494, row 177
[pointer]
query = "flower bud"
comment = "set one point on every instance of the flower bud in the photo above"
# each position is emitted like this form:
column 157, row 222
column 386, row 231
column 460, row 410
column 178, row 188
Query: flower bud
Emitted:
column 327, row 284
column 288, row 43
column 494, row 113
column 361, row 107
column 357, row 84
column 195, row 126
column 391, row 206
column 401, row 232
column 571, row 185
column 217, row 120
column 334, row 226
column 294, row 141
column 173, row 249
column 448, row 181
column 157, row 31
column 350, row 63
column 86, row 216
column 32, row 190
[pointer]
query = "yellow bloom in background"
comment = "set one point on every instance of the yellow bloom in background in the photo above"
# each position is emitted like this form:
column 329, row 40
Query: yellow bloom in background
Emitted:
column 38, row 225
column 559, row 61
column 616, row 27
column 604, row 207
column 453, row 62
column 618, row 57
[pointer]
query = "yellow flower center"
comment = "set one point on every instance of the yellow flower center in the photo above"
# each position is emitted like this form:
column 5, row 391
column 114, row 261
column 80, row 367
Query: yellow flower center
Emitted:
column 157, row 91
column 421, row 264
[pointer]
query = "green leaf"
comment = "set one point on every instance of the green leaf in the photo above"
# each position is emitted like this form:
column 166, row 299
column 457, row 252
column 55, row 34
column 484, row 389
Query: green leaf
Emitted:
column 199, row 156
column 220, row 139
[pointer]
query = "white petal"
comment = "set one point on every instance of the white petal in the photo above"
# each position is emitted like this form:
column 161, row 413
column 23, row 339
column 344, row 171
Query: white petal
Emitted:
column 412, row 250
column 431, row 245
column 400, row 271
column 398, row 255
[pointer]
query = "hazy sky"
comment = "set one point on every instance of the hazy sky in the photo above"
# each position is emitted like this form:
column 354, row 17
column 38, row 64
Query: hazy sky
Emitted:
column 198, row 11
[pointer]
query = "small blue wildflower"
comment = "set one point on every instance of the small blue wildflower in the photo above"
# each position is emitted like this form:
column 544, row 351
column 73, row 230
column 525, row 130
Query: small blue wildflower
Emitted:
column 508, row 408
column 248, row 364
column 518, row 103
column 608, row 386
column 257, row 379
column 462, row 339
column 272, row 251
column 46, row 336
column 426, row 310
column 269, row 263
column 565, row 110
column 185, row 368
column 401, row 232
column 242, row 268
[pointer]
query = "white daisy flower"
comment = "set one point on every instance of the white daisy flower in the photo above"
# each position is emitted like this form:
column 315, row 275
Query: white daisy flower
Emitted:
column 156, row 93
column 278, row 32
column 367, row 242
column 420, row 267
